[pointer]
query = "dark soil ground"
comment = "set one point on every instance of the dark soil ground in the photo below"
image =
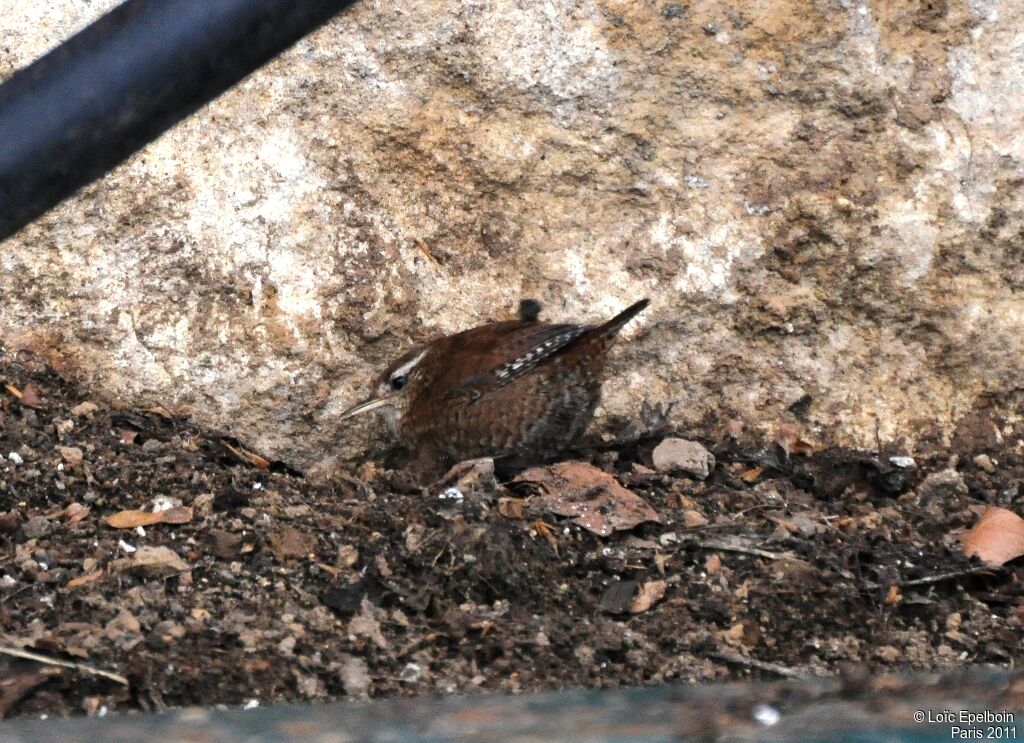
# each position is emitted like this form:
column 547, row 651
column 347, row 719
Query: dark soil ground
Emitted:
column 261, row 585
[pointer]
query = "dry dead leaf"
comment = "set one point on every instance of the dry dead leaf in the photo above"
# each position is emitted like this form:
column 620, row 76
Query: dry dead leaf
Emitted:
column 82, row 580
column 997, row 538
column 694, row 519
column 893, row 597
column 713, row 564
column 511, row 508
column 750, row 475
column 179, row 515
column 75, row 512
column 594, row 499
column 648, row 595
column 30, row 398
column 132, row 518
column 788, row 439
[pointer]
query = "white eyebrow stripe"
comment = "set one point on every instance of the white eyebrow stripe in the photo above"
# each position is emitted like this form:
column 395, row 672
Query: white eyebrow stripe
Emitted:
column 404, row 369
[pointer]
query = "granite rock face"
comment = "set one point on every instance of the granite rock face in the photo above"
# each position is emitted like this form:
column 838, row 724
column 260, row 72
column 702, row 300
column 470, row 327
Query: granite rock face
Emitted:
column 822, row 199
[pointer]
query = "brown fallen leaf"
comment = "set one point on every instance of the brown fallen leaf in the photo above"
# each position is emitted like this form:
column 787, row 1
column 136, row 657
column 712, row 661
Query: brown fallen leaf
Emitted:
column 893, row 597
column 997, row 538
column 82, row 580
column 179, row 515
column 132, row 518
column 788, row 439
column 594, row 499
column 30, row 397
column 27, row 397
column 693, row 519
column 750, row 475
column 76, row 512
column 649, row 594
column 511, row 508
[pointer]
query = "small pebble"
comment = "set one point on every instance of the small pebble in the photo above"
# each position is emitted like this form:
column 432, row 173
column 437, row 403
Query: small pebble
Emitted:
column 36, row 527
column 673, row 455
column 84, row 408
column 453, row 494
column 984, row 462
column 766, row 714
column 72, row 455
column 943, row 484
column 163, row 503
column 15, row 457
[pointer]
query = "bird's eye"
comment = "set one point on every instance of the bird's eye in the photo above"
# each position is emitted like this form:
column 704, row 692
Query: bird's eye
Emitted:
column 399, row 381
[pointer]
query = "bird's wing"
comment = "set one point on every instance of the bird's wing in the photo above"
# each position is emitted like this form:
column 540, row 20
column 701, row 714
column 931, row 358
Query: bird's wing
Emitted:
column 522, row 346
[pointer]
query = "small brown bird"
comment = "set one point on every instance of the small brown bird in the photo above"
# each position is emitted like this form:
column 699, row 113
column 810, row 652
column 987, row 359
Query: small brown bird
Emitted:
column 520, row 388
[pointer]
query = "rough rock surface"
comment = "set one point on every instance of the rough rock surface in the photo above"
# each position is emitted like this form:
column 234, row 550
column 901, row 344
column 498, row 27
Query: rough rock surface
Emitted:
column 823, row 200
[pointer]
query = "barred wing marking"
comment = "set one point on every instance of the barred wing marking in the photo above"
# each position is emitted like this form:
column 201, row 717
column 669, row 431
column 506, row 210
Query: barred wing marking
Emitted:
column 518, row 366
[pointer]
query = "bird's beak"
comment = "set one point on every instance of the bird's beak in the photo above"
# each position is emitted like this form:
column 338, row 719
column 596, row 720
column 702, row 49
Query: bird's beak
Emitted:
column 365, row 406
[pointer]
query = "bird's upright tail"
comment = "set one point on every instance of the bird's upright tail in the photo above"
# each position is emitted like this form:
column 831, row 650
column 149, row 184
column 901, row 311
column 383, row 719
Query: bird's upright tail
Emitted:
column 614, row 325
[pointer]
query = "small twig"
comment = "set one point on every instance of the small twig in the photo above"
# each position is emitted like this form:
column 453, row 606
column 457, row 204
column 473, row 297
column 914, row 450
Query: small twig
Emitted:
column 760, row 665
column 426, row 251
column 48, row 660
column 714, row 544
column 927, row 581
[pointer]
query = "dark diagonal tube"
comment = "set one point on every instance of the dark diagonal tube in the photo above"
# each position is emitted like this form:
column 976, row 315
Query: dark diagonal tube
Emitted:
column 75, row 113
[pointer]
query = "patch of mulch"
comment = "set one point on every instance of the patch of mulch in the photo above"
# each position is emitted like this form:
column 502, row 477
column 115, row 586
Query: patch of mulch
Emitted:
column 191, row 570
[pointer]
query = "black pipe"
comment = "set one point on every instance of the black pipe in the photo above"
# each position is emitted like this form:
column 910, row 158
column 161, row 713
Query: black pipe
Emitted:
column 75, row 113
